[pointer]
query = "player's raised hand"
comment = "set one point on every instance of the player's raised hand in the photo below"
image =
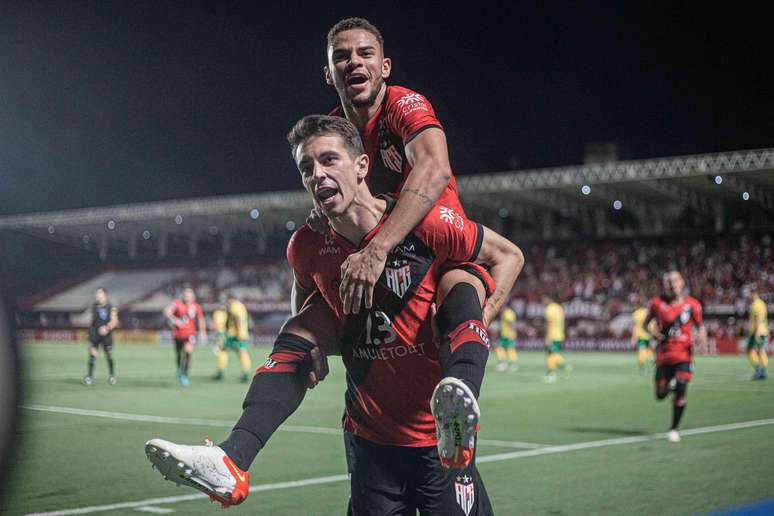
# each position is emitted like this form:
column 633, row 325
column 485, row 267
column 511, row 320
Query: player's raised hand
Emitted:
column 317, row 220
column 319, row 367
column 359, row 273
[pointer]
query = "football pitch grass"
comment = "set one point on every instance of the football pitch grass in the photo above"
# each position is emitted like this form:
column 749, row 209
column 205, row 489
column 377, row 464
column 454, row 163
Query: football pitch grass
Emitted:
column 584, row 445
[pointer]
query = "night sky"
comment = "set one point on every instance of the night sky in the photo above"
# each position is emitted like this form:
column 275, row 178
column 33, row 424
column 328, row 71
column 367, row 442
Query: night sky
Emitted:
column 116, row 102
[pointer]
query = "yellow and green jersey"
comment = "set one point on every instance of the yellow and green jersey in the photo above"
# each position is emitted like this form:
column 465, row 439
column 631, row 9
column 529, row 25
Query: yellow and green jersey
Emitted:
column 638, row 321
column 508, row 324
column 759, row 320
column 237, row 320
column 554, row 322
column 219, row 319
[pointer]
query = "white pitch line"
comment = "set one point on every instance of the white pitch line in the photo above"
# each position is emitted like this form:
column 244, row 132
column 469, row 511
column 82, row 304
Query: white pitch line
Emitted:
column 154, row 510
column 620, row 440
column 220, row 423
column 487, row 458
column 511, row 444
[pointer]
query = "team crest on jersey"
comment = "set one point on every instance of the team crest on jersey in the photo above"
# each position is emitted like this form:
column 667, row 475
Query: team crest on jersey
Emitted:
column 465, row 492
column 685, row 315
column 398, row 274
column 390, row 155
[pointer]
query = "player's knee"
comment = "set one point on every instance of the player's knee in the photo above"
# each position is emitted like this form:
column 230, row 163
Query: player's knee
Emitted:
column 662, row 389
column 460, row 305
column 291, row 354
column 454, row 277
column 92, row 351
column 314, row 323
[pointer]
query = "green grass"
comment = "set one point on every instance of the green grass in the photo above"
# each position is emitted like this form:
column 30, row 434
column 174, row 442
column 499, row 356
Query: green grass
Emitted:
column 66, row 461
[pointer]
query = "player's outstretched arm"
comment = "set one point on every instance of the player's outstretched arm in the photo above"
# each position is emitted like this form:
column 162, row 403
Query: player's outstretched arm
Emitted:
column 505, row 261
column 430, row 174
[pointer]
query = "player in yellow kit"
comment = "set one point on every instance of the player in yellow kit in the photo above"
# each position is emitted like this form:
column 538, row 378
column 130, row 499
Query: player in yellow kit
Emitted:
column 758, row 335
column 236, row 335
column 641, row 337
column 507, row 358
column 554, row 314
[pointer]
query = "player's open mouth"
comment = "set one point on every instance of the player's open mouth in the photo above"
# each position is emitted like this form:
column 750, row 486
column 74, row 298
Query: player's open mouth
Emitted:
column 325, row 194
column 357, row 80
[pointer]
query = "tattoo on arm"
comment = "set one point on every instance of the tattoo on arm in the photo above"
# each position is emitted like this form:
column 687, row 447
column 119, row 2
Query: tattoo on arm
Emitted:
column 419, row 194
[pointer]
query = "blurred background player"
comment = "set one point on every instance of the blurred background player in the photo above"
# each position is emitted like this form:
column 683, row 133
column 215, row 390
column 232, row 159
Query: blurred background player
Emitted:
column 235, row 339
column 675, row 314
column 759, row 333
column 554, row 314
column 640, row 336
column 104, row 319
column 185, row 314
column 507, row 358
column 218, row 328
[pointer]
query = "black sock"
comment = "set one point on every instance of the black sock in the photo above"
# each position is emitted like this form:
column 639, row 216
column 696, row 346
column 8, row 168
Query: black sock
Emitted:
column 91, row 365
column 272, row 397
column 464, row 341
column 187, row 362
column 242, row 446
column 110, row 365
column 677, row 414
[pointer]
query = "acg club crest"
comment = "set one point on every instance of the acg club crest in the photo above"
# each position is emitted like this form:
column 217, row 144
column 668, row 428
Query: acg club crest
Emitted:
column 465, row 492
column 398, row 274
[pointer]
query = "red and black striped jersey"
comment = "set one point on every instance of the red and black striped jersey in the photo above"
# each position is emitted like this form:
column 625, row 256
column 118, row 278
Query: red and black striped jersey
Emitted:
column 401, row 117
column 389, row 351
column 676, row 323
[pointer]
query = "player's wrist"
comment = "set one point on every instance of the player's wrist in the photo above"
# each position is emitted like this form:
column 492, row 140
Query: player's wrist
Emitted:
column 379, row 248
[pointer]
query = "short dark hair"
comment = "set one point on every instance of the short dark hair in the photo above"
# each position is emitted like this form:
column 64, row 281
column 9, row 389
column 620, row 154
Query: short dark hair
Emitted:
column 355, row 23
column 319, row 125
column 103, row 289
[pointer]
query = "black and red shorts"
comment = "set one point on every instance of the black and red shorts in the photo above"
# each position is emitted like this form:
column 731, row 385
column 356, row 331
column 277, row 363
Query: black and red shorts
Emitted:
column 683, row 371
column 401, row 480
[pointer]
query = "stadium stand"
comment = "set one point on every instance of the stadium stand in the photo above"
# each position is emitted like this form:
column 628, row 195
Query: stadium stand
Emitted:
column 595, row 233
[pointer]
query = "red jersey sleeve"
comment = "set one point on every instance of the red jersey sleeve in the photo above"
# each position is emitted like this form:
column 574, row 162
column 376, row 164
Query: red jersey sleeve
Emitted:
column 653, row 307
column 450, row 235
column 408, row 113
column 299, row 260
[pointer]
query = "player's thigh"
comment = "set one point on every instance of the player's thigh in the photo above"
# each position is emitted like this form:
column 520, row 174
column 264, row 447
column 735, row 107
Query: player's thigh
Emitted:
column 439, row 491
column 684, row 372
column 315, row 322
column 377, row 478
column 107, row 344
column 451, row 278
column 664, row 374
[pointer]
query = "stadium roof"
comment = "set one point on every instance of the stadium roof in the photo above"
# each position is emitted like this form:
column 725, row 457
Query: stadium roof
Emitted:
column 654, row 190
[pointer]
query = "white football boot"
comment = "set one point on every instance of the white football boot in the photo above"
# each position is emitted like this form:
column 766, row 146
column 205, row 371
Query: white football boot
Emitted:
column 456, row 414
column 673, row 436
column 206, row 468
